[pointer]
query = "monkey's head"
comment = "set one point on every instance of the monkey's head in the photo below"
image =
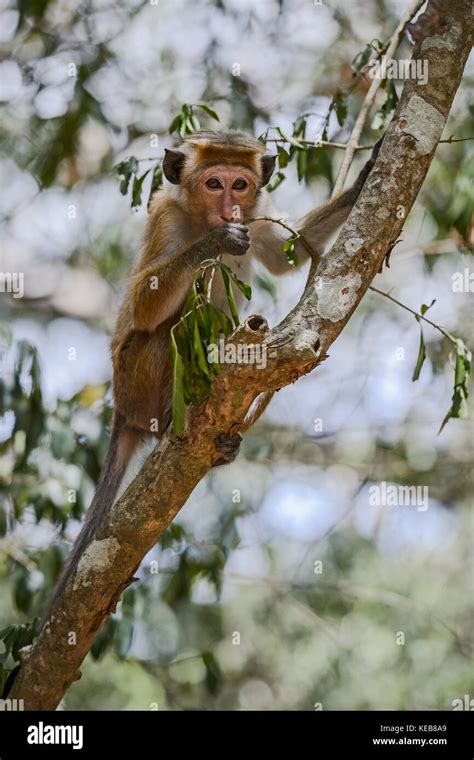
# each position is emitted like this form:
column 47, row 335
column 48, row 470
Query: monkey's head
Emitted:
column 220, row 175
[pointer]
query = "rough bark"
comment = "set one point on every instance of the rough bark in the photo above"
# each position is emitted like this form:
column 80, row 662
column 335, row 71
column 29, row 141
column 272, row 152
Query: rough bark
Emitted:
column 295, row 347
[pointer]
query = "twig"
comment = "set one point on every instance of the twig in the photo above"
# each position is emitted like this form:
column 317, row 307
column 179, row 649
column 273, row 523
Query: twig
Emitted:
column 415, row 314
column 328, row 144
column 294, row 233
column 453, row 139
column 316, row 143
column 211, row 279
column 370, row 97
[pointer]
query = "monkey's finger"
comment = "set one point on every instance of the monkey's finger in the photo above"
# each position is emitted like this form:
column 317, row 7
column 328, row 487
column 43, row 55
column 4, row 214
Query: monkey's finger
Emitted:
column 240, row 237
column 242, row 234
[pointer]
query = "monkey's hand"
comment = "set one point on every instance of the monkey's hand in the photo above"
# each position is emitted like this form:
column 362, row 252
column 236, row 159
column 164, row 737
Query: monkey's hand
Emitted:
column 228, row 447
column 230, row 238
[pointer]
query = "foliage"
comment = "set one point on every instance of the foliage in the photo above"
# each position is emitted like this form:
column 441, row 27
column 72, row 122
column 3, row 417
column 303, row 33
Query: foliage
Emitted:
column 202, row 326
column 225, row 567
column 462, row 369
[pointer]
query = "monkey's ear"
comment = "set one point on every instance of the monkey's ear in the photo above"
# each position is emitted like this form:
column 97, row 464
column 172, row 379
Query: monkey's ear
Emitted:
column 173, row 163
column 268, row 165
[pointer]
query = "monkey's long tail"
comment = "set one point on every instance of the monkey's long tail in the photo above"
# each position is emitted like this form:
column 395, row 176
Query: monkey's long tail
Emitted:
column 122, row 444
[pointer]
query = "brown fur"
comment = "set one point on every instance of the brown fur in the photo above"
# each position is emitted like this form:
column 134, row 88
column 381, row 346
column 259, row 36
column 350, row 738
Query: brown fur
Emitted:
column 207, row 148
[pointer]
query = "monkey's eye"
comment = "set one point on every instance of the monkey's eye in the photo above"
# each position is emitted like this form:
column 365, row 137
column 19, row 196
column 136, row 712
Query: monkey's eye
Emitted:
column 239, row 184
column 213, row 183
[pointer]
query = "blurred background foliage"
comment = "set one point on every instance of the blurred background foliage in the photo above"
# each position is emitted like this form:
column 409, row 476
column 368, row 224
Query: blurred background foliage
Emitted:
column 280, row 585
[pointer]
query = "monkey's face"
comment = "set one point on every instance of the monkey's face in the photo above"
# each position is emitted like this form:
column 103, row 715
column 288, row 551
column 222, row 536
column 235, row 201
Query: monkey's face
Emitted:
column 226, row 194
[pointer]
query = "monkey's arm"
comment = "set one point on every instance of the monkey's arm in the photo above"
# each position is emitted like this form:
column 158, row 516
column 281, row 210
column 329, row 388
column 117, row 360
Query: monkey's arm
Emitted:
column 158, row 291
column 316, row 227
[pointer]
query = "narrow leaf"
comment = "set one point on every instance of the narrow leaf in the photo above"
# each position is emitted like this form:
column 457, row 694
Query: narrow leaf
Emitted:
column 230, row 297
column 276, row 180
column 179, row 407
column 210, row 111
column 137, row 189
column 421, row 358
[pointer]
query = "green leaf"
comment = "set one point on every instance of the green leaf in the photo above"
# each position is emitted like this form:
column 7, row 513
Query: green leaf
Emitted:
column 179, row 407
column 214, row 677
column 3, row 522
column 391, row 100
column 200, row 351
column 299, row 127
column 230, row 297
column 361, row 59
column 294, row 142
column 421, row 351
column 194, row 122
column 137, row 189
column 175, row 124
column 301, row 164
column 276, row 180
column 204, row 321
column 421, row 358
column 210, row 111
column 340, row 106
column 220, row 319
column 424, row 308
column 6, row 631
column 365, row 55
column 290, row 249
column 126, row 169
column 245, row 289
column 283, row 157
column 462, row 369
column 156, row 182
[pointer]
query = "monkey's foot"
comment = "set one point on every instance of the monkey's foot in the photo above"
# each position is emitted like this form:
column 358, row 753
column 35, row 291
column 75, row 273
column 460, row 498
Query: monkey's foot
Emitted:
column 228, row 447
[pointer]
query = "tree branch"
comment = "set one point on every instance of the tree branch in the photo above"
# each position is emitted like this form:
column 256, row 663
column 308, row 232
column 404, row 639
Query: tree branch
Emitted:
column 416, row 314
column 413, row 8
column 335, row 287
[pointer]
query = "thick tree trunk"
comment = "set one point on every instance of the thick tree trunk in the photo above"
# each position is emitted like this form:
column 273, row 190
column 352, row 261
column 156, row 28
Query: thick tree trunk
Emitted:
column 295, row 347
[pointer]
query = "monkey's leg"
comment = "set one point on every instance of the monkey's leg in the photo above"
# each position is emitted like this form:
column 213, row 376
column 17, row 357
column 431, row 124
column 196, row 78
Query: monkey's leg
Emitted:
column 143, row 382
column 228, row 446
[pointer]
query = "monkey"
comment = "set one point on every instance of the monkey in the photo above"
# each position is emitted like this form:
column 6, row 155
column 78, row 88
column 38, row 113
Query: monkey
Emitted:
column 214, row 184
